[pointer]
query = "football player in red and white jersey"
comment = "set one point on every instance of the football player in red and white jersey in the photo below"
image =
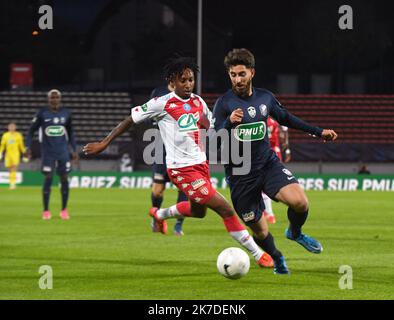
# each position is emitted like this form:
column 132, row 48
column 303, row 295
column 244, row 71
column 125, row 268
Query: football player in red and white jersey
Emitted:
column 181, row 115
column 279, row 138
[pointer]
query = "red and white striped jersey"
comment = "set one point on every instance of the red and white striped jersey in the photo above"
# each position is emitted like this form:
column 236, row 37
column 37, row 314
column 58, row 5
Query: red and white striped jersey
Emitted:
column 180, row 122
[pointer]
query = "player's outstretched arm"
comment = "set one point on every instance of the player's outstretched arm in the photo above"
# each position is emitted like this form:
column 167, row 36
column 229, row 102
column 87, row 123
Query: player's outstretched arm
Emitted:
column 329, row 135
column 97, row 147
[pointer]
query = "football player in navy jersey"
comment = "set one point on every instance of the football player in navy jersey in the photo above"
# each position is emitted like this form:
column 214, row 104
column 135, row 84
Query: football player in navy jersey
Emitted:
column 55, row 135
column 159, row 168
column 243, row 111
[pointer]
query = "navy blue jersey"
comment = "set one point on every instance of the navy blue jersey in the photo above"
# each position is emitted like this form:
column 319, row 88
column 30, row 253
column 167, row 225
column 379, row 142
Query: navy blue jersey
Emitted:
column 159, row 92
column 55, row 132
column 253, row 128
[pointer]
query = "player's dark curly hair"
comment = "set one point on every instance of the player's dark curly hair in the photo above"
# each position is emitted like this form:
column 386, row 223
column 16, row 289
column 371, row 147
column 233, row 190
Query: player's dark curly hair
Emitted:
column 175, row 67
column 239, row 57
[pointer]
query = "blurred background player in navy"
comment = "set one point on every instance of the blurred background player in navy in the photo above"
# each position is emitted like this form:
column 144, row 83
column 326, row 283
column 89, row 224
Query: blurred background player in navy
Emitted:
column 279, row 140
column 160, row 175
column 54, row 123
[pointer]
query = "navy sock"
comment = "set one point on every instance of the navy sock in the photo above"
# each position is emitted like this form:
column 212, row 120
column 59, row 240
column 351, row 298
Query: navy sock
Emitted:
column 46, row 191
column 268, row 245
column 181, row 197
column 297, row 220
column 65, row 191
column 156, row 201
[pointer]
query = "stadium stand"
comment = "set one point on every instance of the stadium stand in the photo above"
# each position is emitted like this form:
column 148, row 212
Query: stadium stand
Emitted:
column 356, row 118
column 365, row 123
column 94, row 113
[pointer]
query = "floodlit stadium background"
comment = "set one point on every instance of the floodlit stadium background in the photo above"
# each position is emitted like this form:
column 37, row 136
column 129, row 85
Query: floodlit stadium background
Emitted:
column 107, row 56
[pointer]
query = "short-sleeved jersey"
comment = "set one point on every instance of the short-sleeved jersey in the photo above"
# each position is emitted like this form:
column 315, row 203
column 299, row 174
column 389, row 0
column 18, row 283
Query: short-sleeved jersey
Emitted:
column 160, row 151
column 55, row 132
column 12, row 143
column 253, row 128
column 180, row 123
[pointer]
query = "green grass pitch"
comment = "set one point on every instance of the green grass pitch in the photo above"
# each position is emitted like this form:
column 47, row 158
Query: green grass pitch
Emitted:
column 107, row 251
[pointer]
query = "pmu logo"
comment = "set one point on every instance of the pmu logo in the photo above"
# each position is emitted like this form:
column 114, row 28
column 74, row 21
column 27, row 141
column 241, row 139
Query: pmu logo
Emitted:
column 188, row 122
column 250, row 131
column 54, row 131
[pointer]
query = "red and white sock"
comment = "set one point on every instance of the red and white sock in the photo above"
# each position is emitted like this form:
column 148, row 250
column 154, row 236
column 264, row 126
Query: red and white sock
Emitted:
column 268, row 204
column 241, row 235
column 179, row 210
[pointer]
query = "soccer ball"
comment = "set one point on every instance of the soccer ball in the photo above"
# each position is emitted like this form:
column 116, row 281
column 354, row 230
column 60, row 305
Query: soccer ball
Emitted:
column 233, row 263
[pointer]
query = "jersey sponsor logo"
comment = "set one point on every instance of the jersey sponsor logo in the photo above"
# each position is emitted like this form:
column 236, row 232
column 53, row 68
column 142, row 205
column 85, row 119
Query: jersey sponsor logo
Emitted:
column 54, row 131
column 249, row 216
column 198, row 183
column 56, row 120
column 252, row 111
column 47, row 120
column 144, row 107
column 250, row 131
column 286, row 171
column 263, row 110
column 172, row 105
column 204, row 191
column 187, row 107
column 188, row 122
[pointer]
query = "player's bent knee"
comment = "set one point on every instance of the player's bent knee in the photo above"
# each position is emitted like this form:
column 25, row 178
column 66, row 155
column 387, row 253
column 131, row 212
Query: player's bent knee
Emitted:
column 198, row 213
column 300, row 205
column 260, row 228
column 197, row 210
column 261, row 234
column 48, row 176
column 64, row 178
column 158, row 190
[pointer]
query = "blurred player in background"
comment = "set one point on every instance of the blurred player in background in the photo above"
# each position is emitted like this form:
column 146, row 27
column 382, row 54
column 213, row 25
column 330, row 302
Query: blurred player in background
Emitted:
column 55, row 135
column 160, row 175
column 279, row 140
column 13, row 145
column 181, row 116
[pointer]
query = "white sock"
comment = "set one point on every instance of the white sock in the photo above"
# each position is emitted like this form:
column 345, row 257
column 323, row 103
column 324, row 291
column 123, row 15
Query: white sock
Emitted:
column 168, row 213
column 247, row 241
column 268, row 204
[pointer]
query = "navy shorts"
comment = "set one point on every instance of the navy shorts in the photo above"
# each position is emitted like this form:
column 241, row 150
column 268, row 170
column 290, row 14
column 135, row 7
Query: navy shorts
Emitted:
column 246, row 190
column 62, row 166
column 160, row 174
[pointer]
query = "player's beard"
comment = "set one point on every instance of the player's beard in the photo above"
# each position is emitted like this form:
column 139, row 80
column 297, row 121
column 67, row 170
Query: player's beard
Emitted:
column 243, row 91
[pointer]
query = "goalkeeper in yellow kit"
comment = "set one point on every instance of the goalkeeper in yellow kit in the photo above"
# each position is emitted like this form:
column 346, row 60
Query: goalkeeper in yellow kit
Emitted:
column 13, row 145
